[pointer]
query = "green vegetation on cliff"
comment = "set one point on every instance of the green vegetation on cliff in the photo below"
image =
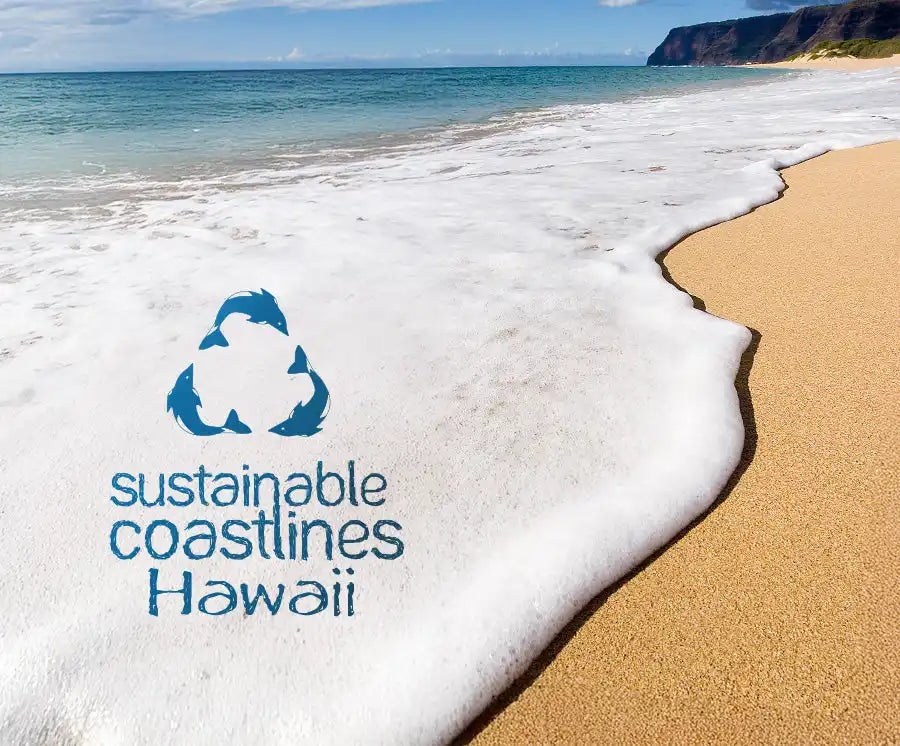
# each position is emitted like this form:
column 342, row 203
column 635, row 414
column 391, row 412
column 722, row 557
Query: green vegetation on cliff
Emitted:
column 862, row 48
column 772, row 38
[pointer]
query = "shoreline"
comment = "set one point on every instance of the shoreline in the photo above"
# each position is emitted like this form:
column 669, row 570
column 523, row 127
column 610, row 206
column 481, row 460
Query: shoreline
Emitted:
column 770, row 619
column 501, row 346
column 42, row 194
column 840, row 64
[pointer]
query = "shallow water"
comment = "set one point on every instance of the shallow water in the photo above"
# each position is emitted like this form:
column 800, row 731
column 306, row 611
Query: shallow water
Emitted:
column 499, row 344
column 173, row 124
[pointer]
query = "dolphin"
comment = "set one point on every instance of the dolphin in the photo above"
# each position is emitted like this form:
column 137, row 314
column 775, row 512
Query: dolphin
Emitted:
column 184, row 401
column 305, row 419
column 259, row 308
column 300, row 364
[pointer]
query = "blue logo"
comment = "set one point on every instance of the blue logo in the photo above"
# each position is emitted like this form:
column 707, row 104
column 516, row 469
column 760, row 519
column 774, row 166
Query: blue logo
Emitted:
column 259, row 308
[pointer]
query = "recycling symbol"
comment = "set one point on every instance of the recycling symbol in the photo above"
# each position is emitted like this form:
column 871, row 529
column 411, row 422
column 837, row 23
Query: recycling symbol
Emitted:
column 260, row 308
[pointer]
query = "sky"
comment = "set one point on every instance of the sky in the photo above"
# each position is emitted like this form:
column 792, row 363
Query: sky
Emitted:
column 42, row 35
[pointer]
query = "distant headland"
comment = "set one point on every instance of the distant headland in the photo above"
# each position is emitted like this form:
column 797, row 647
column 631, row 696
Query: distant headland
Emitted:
column 773, row 38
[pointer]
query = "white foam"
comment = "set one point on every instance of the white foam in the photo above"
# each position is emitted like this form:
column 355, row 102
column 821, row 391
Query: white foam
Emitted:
column 498, row 342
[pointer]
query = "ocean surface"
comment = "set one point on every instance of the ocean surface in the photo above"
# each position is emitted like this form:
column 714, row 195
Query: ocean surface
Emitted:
column 467, row 258
column 184, row 124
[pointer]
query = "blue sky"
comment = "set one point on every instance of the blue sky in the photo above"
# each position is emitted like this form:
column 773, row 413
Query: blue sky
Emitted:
column 138, row 34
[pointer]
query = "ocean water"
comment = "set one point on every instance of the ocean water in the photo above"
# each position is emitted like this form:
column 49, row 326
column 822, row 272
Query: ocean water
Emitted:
column 180, row 124
column 479, row 290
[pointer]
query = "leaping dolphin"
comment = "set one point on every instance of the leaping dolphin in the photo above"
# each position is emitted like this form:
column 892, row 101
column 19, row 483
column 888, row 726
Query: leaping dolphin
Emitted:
column 305, row 419
column 300, row 364
column 259, row 308
column 184, row 401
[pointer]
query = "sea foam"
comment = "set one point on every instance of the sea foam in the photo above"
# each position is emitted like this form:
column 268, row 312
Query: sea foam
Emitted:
column 499, row 344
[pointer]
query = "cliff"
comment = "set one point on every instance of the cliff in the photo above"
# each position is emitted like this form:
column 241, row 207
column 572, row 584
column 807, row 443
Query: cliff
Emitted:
column 775, row 37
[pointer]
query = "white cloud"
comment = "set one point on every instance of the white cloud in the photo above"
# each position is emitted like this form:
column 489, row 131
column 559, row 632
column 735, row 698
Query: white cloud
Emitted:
column 40, row 18
column 617, row 3
column 294, row 55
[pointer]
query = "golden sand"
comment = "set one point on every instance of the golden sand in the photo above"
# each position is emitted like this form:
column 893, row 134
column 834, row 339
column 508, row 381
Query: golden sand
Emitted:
column 846, row 64
column 775, row 619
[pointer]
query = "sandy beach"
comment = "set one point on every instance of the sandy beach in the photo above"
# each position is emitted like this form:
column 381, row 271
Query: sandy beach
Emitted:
column 842, row 64
column 775, row 618
column 513, row 407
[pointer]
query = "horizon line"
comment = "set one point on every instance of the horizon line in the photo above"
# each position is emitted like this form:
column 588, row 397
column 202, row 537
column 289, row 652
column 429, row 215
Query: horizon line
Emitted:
column 274, row 67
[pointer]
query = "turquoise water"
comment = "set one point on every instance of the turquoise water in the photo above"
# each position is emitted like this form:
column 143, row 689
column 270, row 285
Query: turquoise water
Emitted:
column 545, row 408
column 168, row 123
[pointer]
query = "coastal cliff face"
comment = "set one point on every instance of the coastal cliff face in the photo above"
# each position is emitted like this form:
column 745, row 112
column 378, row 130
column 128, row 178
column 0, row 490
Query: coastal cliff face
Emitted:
column 722, row 43
column 775, row 37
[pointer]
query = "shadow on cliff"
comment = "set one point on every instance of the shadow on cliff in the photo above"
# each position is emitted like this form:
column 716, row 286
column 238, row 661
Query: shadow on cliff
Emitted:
column 540, row 664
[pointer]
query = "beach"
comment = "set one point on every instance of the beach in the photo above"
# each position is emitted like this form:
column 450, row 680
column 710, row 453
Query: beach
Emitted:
column 843, row 64
column 775, row 618
column 515, row 408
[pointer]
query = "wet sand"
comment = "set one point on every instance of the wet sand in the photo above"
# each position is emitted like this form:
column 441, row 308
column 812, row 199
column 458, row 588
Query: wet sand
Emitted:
column 775, row 618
